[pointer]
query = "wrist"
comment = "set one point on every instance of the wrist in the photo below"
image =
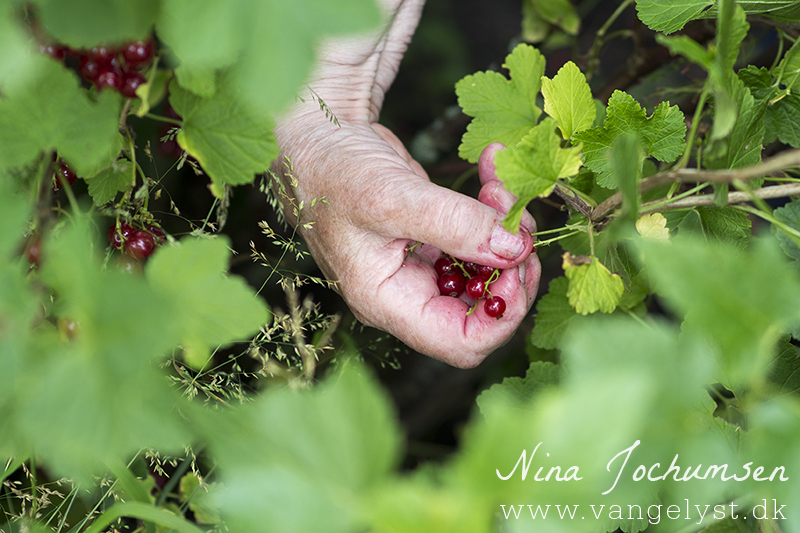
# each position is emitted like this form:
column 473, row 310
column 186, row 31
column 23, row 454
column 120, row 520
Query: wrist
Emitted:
column 353, row 73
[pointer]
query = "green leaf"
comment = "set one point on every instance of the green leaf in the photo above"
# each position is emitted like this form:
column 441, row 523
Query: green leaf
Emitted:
column 784, row 371
column 786, row 11
column 788, row 70
column 568, row 99
column 740, row 300
column 554, row 315
column 592, row 287
column 716, row 224
column 688, row 48
column 231, row 142
column 789, row 214
column 86, row 23
column 104, row 186
column 516, row 392
column 531, row 168
column 732, row 28
column 330, row 446
column 103, row 370
column 53, row 113
column 504, row 110
column 662, row 134
column 197, row 493
column 742, row 147
column 17, row 59
column 671, row 15
column 204, row 35
column 534, row 27
column 783, row 121
column 283, row 41
column 560, row 13
column 219, row 309
column 14, row 213
column 626, row 155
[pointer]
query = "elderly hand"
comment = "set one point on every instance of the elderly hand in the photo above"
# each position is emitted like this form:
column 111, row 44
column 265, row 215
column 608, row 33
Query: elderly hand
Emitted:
column 379, row 201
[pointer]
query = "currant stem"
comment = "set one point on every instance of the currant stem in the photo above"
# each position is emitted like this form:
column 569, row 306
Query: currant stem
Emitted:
column 176, row 122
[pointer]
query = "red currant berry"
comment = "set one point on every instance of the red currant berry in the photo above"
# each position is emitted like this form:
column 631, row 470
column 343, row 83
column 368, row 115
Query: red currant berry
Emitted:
column 159, row 237
column 33, row 250
column 471, row 268
column 476, row 287
column 65, row 173
column 484, row 271
column 451, row 283
column 109, row 79
column 495, row 307
column 444, row 264
column 140, row 244
column 102, row 54
column 128, row 264
column 56, row 51
column 138, row 53
column 117, row 238
column 130, row 82
column 90, row 70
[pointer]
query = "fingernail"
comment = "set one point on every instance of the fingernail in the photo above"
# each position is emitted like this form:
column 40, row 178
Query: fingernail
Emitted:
column 505, row 244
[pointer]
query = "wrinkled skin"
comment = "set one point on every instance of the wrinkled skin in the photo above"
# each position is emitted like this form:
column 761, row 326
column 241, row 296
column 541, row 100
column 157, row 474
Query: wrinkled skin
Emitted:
column 379, row 201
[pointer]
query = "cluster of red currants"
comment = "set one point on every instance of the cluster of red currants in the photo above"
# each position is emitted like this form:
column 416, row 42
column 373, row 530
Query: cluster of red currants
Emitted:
column 110, row 67
column 138, row 243
column 456, row 277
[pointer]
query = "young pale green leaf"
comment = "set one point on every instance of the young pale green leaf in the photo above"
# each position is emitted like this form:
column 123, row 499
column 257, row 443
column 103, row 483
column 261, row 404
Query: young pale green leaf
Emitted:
column 670, row 16
column 554, row 315
column 331, row 445
column 662, row 134
column 789, row 214
column 568, row 99
column 504, row 110
column 592, row 287
column 531, row 168
column 560, row 13
column 53, row 113
column 86, row 23
column 216, row 309
column 516, row 392
column 231, row 142
column 740, row 300
column 653, row 226
column 716, row 224
column 104, row 186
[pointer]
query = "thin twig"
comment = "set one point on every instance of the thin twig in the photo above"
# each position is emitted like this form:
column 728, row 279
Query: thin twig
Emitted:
column 574, row 201
column 738, row 197
column 782, row 161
